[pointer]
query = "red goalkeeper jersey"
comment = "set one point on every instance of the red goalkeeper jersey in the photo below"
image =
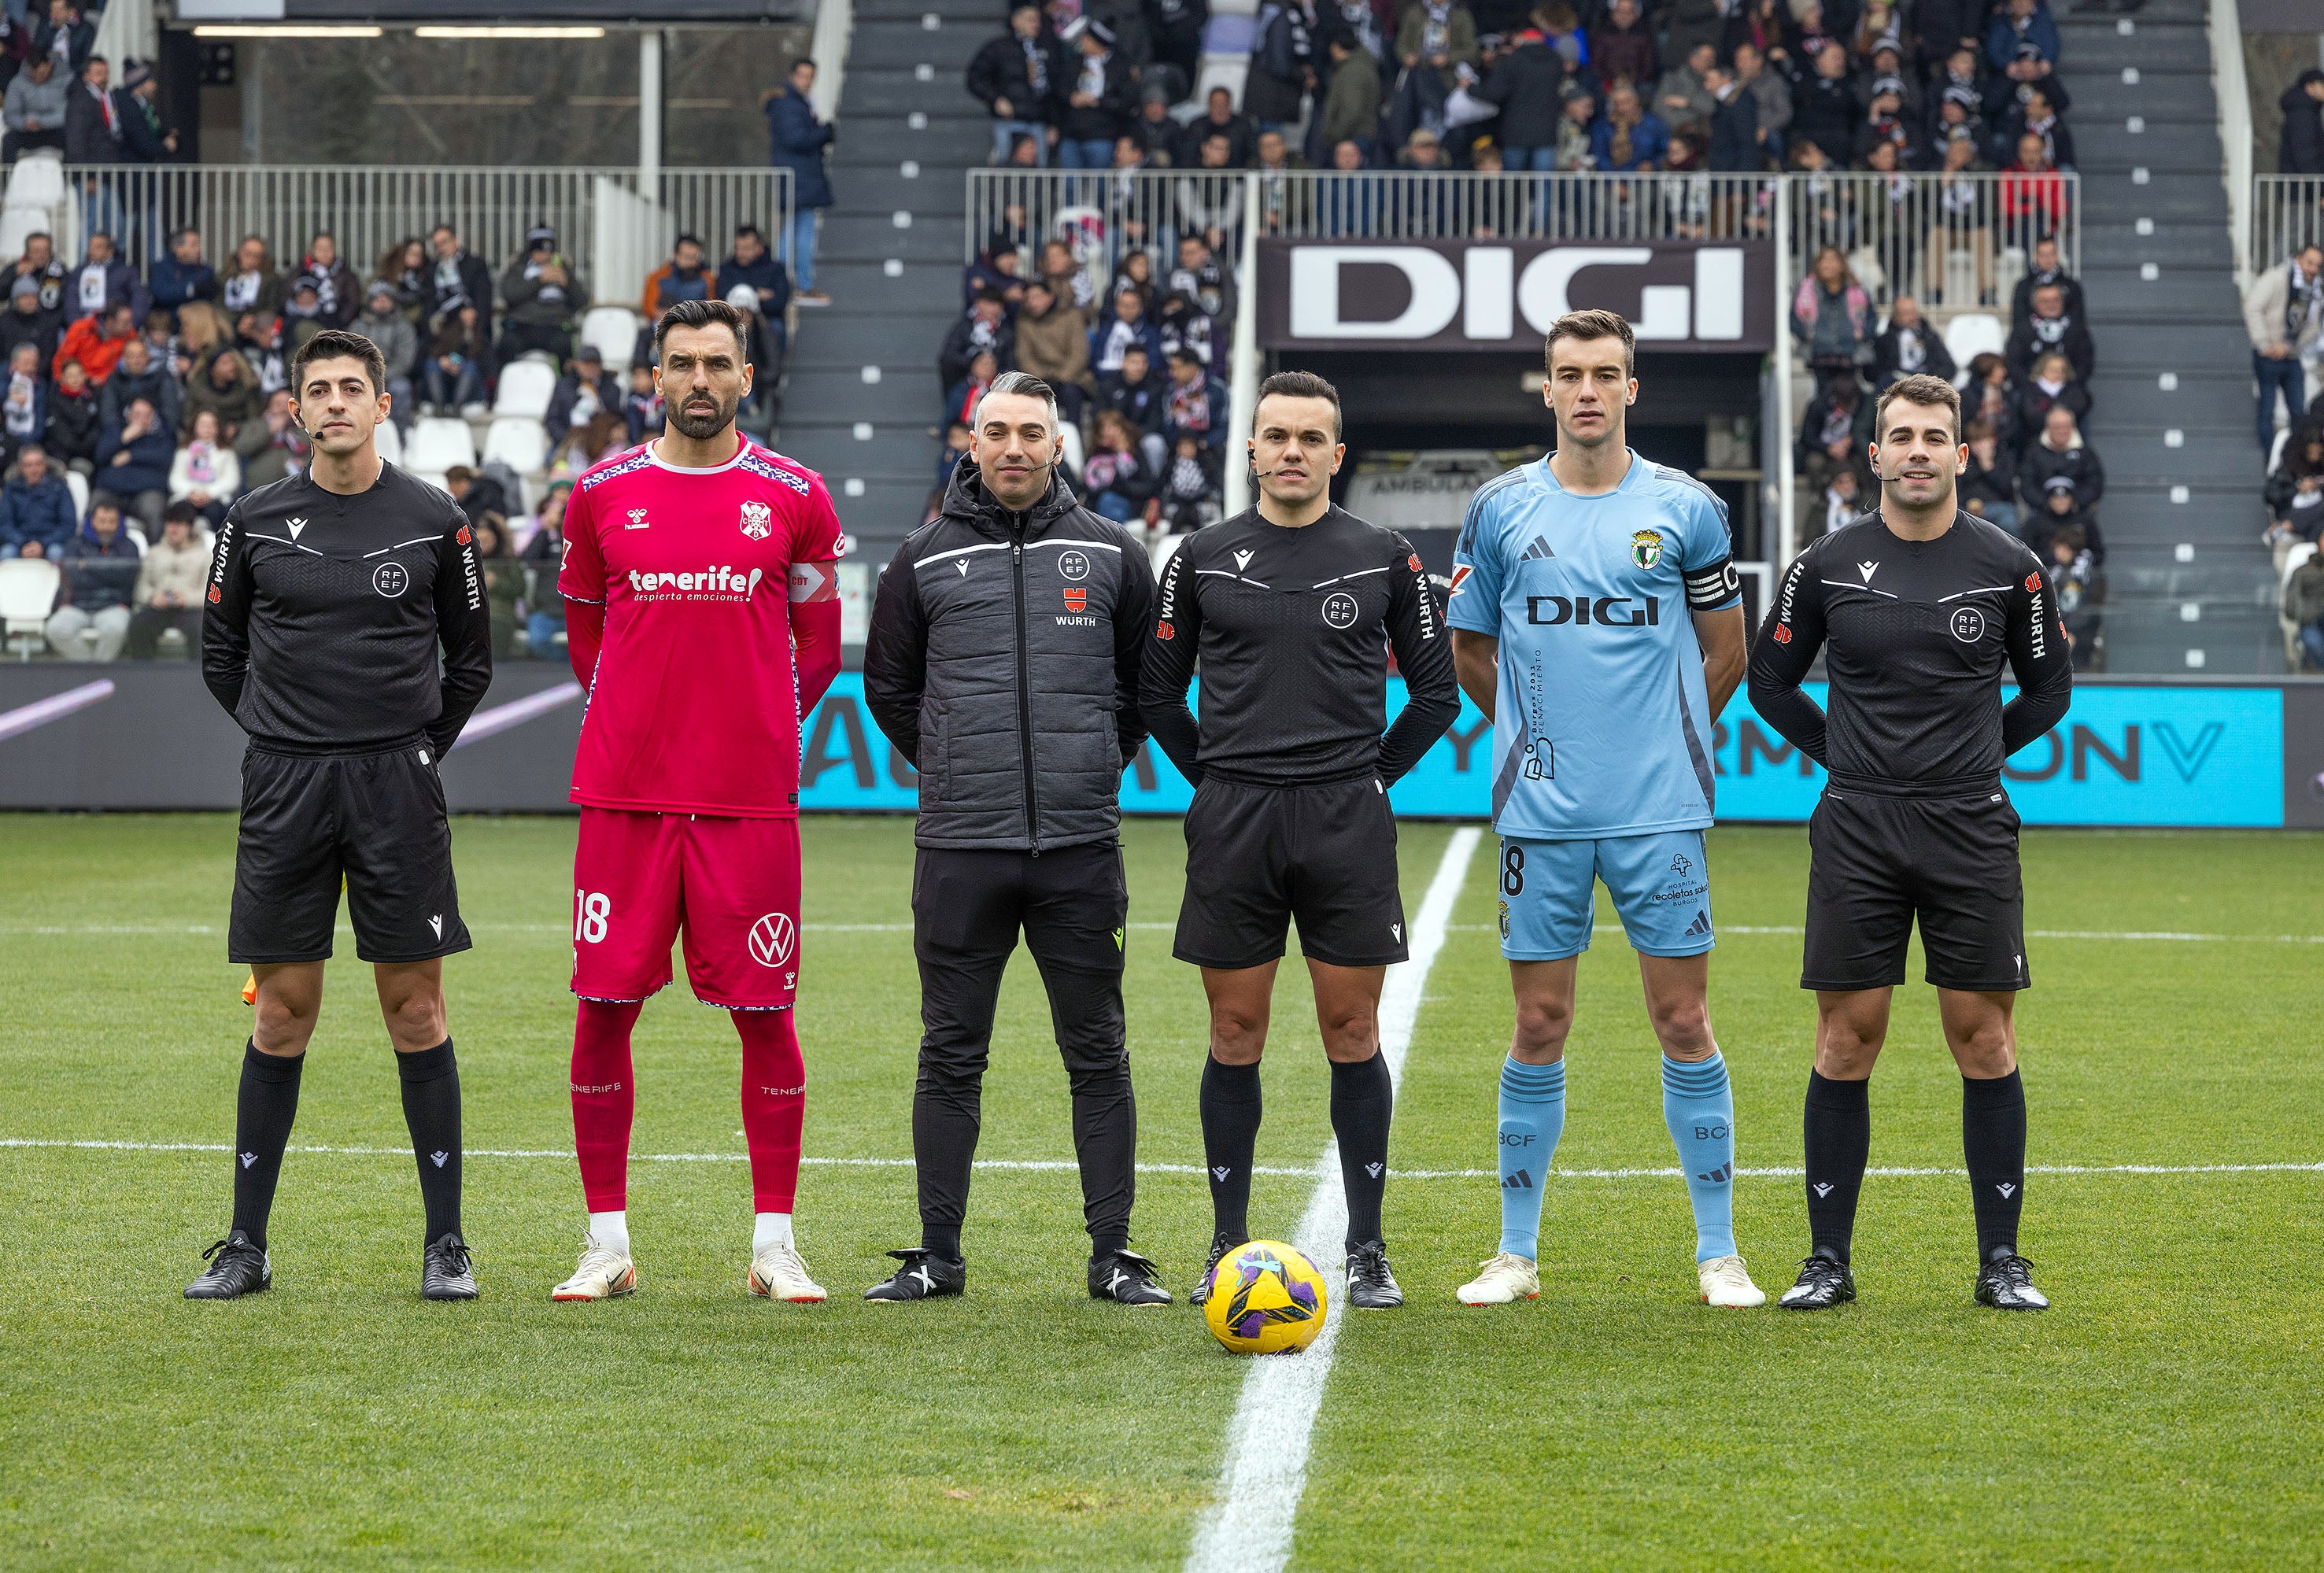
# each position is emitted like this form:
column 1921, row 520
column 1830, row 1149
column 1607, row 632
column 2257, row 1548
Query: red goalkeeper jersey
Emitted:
column 692, row 706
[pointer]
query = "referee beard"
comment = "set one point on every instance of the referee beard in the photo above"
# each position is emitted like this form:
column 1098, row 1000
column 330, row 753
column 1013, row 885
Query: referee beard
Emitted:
column 1002, row 661
column 329, row 594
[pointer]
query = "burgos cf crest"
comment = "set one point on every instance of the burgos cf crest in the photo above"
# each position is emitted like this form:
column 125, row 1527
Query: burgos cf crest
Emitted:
column 1647, row 548
column 758, row 521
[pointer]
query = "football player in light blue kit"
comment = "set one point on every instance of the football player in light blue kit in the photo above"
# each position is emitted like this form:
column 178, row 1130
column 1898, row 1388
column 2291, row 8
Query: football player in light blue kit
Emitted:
column 1596, row 619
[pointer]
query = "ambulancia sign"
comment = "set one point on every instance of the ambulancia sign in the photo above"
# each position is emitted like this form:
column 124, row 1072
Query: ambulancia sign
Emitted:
column 1501, row 295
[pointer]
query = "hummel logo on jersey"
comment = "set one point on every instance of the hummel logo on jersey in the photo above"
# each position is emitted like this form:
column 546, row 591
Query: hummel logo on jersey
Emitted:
column 437, row 923
column 2007, row 1190
column 1535, row 552
column 248, row 1159
column 439, row 1158
column 294, row 525
column 1720, row 1175
column 637, row 519
column 1220, row 1173
column 1867, row 570
column 1373, row 1170
column 1520, row 1181
column 1821, row 1191
column 1699, row 926
column 1242, row 559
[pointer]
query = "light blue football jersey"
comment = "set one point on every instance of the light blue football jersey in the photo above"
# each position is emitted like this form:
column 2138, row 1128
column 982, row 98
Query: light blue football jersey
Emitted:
column 1602, row 723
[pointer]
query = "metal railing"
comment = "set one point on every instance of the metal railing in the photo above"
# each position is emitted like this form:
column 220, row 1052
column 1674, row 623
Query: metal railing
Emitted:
column 2287, row 213
column 1954, row 242
column 612, row 231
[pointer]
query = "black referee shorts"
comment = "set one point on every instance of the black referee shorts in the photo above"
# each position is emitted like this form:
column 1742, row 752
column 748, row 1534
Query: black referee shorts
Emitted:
column 1259, row 857
column 1877, row 862
column 376, row 819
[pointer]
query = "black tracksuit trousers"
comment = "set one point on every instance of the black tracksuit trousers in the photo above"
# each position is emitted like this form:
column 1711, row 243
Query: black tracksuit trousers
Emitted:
column 967, row 908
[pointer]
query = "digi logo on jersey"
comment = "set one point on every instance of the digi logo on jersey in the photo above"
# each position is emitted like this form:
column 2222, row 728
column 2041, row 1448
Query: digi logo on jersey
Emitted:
column 1606, row 610
column 718, row 583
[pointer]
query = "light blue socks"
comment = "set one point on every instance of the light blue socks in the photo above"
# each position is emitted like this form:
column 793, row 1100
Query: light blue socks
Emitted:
column 1533, row 1117
column 1698, row 1108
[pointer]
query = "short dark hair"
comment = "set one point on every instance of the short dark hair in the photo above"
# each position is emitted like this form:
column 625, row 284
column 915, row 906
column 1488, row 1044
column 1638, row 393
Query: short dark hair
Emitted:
column 750, row 229
column 702, row 314
column 1024, row 385
column 1589, row 325
column 182, row 511
column 335, row 343
column 693, row 240
column 1923, row 390
column 1299, row 385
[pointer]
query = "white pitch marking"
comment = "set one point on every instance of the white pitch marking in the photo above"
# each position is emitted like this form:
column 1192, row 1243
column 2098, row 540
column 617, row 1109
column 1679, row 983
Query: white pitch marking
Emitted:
column 1247, row 1527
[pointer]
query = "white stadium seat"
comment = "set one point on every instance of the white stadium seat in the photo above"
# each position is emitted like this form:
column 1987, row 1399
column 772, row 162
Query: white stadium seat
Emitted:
column 389, row 440
column 1973, row 334
column 28, row 588
column 519, row 441
column 614, row 330
column 438, row 443
column 78, row 485
column 525, row 389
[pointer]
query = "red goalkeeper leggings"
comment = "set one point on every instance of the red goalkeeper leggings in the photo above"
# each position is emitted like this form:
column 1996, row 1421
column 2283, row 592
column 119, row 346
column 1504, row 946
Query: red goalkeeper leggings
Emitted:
column 604, row 1101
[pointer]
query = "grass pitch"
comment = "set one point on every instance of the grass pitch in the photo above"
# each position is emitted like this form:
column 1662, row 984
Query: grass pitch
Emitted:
column 2163, row 1415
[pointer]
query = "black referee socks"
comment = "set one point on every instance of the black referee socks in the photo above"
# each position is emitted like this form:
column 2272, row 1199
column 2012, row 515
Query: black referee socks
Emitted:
column 1839, row 1131
column 263, row 1109
column 1231, row 1110
column 432, row 1109
column 1992, row 1140
column 1363, row 1097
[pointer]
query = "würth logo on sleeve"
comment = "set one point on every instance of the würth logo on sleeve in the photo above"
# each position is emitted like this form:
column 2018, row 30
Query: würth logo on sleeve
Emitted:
column 758, row 521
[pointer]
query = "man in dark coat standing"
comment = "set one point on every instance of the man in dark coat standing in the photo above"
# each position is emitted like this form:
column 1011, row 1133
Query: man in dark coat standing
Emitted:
column 1527, row 83
column 798, row 140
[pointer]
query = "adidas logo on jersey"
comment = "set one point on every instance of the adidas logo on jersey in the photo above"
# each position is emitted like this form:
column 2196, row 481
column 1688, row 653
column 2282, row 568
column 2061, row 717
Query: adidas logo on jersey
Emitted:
column 1700, row 927
column 1535, row 552
column 1520, row 1181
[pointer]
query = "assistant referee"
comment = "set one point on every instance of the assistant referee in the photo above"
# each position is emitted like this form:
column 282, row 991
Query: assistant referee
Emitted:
column 1917, row 607
column 1293, row 607
column 328, row 596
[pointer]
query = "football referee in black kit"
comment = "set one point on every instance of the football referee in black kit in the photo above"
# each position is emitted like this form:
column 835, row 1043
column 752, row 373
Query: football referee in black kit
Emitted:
column 1292, row 607
column 1916, row 607
column 328, row 596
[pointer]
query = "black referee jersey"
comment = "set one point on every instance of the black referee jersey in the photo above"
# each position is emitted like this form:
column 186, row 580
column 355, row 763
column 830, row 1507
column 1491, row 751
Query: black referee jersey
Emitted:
column 1293, row 627
column 1914, row 635
column 324, row 613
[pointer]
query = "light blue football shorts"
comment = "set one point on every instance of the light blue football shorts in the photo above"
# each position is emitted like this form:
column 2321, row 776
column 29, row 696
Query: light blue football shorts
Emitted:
column 1661, row 885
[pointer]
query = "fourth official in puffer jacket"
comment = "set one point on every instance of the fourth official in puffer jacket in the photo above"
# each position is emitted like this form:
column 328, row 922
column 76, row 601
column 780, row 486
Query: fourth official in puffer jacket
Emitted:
column 1003, row 662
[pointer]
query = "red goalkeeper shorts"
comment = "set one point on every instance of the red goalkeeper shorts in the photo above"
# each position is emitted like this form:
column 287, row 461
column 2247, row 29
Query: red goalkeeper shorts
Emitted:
column 732, row 883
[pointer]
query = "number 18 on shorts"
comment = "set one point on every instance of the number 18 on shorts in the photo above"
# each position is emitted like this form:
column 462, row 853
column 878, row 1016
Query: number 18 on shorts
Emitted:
column 1660, row 883
column 732, row 883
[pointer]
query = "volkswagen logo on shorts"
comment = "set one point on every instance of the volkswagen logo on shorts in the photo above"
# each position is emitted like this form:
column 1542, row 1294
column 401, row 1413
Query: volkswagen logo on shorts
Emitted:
column 771, row 938
column 390, row 579
column 1969, row 625
column 1073, row 565
column 1340, row 609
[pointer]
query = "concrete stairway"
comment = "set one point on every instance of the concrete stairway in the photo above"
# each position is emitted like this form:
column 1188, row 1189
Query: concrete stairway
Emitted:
column 2192, row 588
column 861, row 391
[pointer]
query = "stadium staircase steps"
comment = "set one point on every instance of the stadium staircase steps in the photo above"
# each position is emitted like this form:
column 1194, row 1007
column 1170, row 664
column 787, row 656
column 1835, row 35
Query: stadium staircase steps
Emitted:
column 861, row 393
column 2172, row 400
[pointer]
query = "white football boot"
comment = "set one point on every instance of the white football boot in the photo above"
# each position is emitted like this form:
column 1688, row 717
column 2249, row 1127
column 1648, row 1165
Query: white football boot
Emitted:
column 1505, row 1278
column 777, row 1273
column 1726, row 1282
column 603, row 1274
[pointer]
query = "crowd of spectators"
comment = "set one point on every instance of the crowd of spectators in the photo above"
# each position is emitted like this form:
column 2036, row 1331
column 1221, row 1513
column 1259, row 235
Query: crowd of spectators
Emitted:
column 1608, row 85
column 138, row 404
column 2029, row 469
column 2284, row 312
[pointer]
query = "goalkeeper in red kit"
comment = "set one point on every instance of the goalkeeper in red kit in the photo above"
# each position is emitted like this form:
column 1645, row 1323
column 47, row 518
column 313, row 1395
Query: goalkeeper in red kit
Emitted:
column 702, row 614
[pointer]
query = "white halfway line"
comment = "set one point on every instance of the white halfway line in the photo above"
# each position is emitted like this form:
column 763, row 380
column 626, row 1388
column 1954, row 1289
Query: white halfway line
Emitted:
column 1068, row 1165
column 1247, row 1528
